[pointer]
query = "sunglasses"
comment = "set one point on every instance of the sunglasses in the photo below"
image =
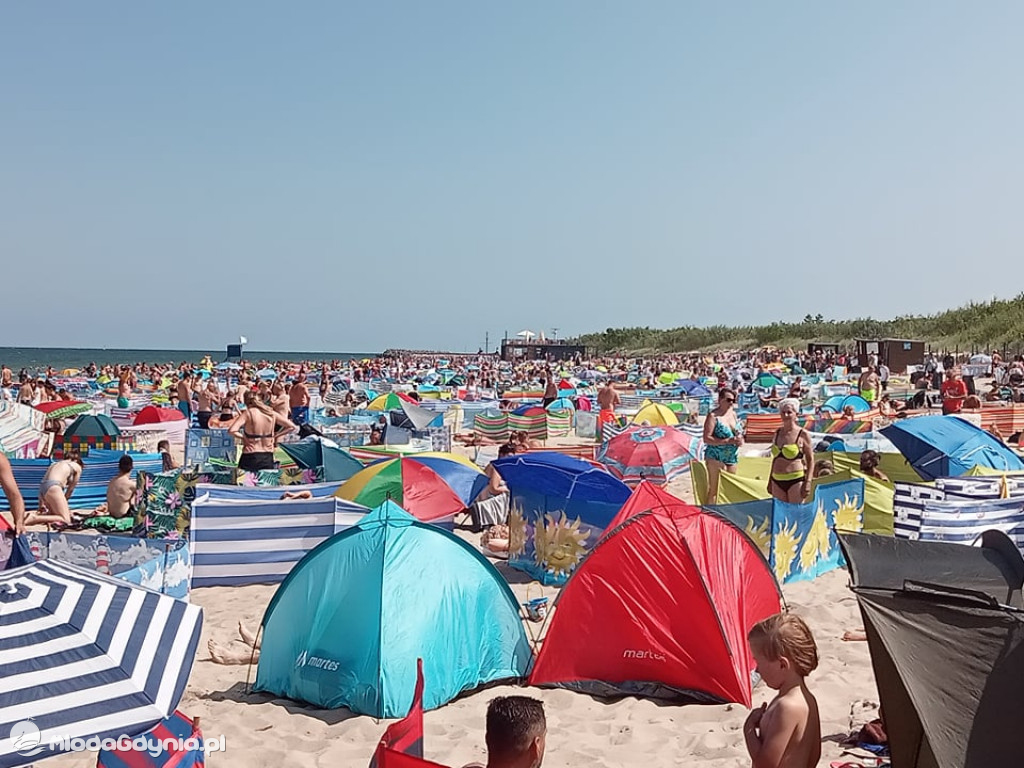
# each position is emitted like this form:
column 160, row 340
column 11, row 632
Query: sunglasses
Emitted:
column 730, row 399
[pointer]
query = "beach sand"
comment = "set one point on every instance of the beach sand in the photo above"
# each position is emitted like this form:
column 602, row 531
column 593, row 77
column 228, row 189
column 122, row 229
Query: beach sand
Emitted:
column 262, row 731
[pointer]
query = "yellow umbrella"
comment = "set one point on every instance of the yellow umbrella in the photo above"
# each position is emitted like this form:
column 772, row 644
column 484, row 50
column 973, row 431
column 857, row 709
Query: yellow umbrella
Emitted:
column 655, row 415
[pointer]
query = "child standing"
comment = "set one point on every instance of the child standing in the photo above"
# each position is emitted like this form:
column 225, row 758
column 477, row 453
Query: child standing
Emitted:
column 787, row 732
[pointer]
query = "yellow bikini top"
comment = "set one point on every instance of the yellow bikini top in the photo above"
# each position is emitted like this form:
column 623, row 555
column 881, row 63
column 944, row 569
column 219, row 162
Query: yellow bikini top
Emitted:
column 789, row 451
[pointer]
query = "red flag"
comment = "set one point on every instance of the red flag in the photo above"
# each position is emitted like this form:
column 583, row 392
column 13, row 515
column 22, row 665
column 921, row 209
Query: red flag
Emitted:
column 401, row 746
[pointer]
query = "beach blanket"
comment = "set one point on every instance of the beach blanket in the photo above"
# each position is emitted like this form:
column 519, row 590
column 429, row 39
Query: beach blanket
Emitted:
column 258, row 542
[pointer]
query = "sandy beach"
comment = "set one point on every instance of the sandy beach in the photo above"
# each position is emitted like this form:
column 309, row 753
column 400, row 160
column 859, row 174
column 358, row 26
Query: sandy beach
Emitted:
column 263, row 731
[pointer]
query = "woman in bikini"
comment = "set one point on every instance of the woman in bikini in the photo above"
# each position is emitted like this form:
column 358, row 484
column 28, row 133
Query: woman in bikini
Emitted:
column 56, row 488
column 722, row 440
column 792, row 457
column 255, row 428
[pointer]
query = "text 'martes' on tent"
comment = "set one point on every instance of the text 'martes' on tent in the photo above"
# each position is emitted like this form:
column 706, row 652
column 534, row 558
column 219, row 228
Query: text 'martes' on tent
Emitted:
column 661, row 608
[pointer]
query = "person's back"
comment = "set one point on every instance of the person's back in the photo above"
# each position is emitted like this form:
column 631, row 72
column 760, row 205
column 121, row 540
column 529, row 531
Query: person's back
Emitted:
column 121, row 490
column 785, row 733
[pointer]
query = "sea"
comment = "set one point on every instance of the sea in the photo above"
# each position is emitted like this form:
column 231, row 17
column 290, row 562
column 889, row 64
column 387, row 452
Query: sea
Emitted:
column 36, row 359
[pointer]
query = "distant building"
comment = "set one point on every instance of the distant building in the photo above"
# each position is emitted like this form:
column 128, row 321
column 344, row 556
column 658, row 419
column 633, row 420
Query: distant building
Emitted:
column 898, row 354
column 826, row 348
column 519, row 350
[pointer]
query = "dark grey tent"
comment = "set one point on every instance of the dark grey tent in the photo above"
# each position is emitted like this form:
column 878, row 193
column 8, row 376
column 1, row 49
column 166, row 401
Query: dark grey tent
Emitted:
column 313, row 452
column 946, row 636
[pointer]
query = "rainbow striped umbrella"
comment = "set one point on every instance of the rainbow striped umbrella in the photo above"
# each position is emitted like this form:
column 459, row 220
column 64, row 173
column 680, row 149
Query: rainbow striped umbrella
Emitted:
column 389, row 401
column 657, row 454
column 62, row 409
column 430, row 487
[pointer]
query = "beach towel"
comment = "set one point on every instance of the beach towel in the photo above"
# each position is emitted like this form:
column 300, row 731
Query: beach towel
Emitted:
column 491, row 511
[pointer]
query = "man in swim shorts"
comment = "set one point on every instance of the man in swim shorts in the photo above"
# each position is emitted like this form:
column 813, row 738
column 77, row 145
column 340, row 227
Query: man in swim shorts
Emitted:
column 869, row 384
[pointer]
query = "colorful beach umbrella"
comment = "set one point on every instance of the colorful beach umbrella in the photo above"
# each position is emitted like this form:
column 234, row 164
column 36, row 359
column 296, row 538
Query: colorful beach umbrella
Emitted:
column 62, row 409
column 86, row 655
column 389, row 401
column 655, row 415
column 429, row 487
column 657, row 454
column 562, row 404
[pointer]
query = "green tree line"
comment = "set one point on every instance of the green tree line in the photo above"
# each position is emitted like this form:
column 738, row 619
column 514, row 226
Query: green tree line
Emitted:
column 996, row 324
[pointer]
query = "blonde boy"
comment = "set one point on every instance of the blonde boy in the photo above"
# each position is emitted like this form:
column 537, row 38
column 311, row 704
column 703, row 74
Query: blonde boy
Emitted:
column 785, row 733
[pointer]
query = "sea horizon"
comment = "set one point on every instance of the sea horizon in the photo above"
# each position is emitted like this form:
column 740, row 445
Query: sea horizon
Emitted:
column 61, row 358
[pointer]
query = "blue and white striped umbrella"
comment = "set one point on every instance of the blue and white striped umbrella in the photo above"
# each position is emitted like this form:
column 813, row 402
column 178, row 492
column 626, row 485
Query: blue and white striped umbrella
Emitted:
column 84, row 655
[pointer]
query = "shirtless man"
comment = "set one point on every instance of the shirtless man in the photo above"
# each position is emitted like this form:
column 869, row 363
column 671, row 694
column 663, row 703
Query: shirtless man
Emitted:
column 27, row 392
column 608, row 397
column 56, row 488
column 6, row 377
column 298, row 400
column 869, row 384
column 184, row 390
column 209, row 399
column 278, row 399
column 121, row 490
column 126, row 382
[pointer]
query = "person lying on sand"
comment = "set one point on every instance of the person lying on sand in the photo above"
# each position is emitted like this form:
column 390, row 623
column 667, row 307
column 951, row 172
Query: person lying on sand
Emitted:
column 223, row 654
column 290, row 495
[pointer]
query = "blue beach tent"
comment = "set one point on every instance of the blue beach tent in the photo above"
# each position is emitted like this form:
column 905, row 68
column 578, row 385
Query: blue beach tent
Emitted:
column 948, row 446
column 346, row 626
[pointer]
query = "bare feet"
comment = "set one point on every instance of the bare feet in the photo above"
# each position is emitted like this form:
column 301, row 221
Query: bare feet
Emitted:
column 854, row 635
column 248, row 637
column 221, row 654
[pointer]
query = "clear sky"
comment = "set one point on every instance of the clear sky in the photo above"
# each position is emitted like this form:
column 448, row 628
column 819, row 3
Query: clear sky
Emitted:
column 337, row 176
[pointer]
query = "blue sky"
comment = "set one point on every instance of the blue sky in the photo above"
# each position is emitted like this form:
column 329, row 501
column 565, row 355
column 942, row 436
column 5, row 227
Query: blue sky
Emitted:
column 333, row 176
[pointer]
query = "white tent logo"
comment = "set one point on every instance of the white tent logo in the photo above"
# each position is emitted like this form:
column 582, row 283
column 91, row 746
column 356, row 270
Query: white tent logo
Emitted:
column 301, row 660
column 26, row 739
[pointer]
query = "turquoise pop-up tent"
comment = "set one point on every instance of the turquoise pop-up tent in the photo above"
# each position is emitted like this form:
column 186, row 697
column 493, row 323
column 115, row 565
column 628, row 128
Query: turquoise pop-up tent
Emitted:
column 346, row 626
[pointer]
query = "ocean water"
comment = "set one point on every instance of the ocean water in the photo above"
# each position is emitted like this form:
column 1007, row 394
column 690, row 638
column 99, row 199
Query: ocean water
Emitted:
column 37, row 358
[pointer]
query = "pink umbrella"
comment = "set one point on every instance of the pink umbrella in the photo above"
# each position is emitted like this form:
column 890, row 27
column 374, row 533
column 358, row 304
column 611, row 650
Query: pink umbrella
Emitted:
column 657, row 454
